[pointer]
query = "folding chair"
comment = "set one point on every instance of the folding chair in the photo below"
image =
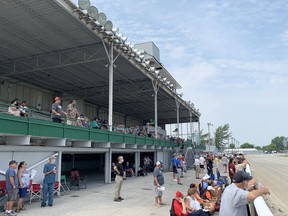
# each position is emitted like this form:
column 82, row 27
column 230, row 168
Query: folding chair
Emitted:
column 35, row 192
column 3, row 187
column 3, row 198
column 63, row 183
column 76, row 180
column 56, row 189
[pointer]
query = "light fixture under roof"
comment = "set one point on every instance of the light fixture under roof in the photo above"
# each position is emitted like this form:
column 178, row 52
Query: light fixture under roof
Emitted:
column 108, row 25
column 92, row 12
column 102, row 18
column 115, row 30
column 84, row 4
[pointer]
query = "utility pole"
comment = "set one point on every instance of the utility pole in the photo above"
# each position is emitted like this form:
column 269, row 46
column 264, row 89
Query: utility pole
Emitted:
column 209, row 142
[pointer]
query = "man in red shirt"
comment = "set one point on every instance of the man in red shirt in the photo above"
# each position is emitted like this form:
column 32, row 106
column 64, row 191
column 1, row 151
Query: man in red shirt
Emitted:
column 231, row 168
column 179, row 204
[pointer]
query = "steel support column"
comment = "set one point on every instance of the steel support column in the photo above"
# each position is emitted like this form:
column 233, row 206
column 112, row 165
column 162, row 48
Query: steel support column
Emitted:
column 59, row 172
column 156, row 89
column 177, row 110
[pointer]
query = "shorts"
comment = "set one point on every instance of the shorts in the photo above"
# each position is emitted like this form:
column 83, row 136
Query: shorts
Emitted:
column 157, row 192
column 174, row 170
column 202, row 166
column 22, row 192
column 12, row 194
column 197, row 167
column 179, row 171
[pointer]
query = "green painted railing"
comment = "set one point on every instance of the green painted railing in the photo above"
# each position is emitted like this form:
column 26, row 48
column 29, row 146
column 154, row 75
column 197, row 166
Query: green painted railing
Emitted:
column 10, row 124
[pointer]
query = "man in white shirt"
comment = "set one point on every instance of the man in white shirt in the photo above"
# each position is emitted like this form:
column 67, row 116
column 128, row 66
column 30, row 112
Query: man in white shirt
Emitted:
column 202, row 162
column 197, row 167
column 237, row 195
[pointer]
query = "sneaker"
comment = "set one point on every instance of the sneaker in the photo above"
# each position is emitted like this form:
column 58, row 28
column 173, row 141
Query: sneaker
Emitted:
column 120, row 198
column 117, row 200
column 179, row 183
column 10, row 214
column 175, row 180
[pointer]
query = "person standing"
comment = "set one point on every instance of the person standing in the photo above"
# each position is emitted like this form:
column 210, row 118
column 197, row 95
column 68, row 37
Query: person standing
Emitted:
column 197, row 167
column 23, row 180
column 231, row 168
column 56, row 110
column 174, row 166
column 236, row 196
column 202, row 162
column 11, row 187
column 216, row 161
column 72, row 113
column 118, row 168
column 225, row 163
column 209, row 164
column 49, row 171
column 158, row 183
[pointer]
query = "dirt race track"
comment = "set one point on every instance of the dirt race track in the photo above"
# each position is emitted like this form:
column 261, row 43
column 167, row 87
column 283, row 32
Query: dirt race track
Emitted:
column 271, row 171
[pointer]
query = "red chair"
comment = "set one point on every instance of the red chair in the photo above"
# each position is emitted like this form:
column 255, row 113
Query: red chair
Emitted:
column 57, row 189
column 35, row 192
column 77, row 180
column 3, row 187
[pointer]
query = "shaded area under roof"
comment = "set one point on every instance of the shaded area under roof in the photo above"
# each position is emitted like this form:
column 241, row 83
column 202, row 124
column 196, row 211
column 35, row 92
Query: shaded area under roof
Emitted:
column 44, row 44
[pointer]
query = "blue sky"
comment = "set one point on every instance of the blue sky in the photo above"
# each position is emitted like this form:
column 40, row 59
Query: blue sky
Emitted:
column 231, row 57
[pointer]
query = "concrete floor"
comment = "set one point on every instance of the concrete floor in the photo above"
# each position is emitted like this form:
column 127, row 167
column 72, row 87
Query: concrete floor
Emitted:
column 97, row 199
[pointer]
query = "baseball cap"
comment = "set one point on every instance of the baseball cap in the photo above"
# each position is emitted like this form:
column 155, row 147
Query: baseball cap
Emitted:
column 158, row 163
column 206, row 177
column 241, row 176
column 210, row 188
column 179, row 194
column 56, row 98
column 13, row 162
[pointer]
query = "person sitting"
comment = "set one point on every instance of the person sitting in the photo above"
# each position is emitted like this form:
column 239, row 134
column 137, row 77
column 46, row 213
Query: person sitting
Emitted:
column 193, row 207
column 178, row 205
column 13, row 108
column 199, row 199
column 208, row 194
column 24, row 110
column 128, row 170
column 215, row 191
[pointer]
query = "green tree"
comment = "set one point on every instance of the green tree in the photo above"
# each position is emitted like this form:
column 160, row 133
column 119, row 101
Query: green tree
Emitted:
column 258, row 147
column 270, row 147
column 222, row 134
column 247, row 145
column 279, row 142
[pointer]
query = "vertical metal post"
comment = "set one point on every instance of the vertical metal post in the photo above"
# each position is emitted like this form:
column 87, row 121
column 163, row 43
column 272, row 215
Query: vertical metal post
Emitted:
column 156, row 89
column 199, row 132
column 209, row 142
column 191, row 129
column 59, row 171
column 177, row 108
column 111, row 63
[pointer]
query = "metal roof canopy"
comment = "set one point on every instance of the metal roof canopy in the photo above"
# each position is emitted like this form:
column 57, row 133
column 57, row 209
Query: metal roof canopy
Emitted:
column 47, row 43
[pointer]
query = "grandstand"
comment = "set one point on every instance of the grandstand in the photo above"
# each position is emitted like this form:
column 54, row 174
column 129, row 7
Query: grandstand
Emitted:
column 52, row 48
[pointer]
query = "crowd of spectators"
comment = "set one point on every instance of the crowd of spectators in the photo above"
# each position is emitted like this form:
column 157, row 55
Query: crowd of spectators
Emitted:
column 74, row 118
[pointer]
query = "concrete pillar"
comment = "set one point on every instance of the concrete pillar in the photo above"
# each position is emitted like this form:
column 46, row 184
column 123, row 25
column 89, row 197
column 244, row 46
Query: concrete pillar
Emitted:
column 108, row 158
column 137, row 161
column 18, row 140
